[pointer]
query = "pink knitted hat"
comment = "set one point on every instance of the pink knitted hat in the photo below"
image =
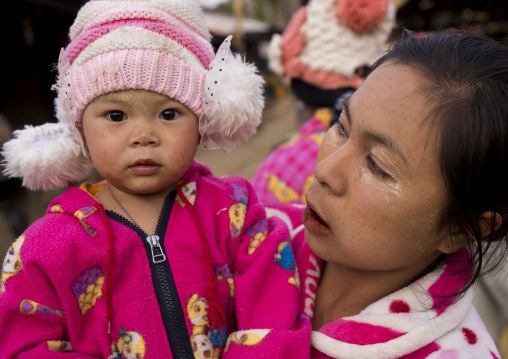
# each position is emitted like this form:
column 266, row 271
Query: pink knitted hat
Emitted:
column 156, row 45
column 327, row 41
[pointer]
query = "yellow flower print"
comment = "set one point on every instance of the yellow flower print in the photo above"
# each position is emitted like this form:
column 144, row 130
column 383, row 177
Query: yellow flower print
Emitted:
column 281, row 190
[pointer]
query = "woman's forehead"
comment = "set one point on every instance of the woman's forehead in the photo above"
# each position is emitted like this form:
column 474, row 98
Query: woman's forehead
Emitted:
column 392, row 103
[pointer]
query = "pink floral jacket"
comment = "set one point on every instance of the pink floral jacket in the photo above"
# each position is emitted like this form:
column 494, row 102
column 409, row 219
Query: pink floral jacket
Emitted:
column 86, row 283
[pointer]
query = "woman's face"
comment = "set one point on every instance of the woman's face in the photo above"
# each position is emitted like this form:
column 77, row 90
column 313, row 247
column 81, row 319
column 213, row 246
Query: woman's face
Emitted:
column 378, row 193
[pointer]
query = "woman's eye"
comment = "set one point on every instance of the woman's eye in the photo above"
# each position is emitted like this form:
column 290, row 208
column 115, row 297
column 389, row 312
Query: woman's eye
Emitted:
column 374, row 168
column 169, row 115
column 341, row 129
column 116, row 116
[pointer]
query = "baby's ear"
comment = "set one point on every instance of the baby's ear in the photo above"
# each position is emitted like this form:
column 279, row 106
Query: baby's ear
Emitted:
column 489, row 222
column 79, row 126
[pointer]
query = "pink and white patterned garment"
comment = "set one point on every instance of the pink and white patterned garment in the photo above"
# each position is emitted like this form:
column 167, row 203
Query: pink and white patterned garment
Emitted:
column 286, row 174
column 416, row 322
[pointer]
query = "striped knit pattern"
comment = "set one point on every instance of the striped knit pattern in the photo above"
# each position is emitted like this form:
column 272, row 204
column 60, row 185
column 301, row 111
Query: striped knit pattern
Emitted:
column 119, row 70
column 188, row 13
column 154, row 45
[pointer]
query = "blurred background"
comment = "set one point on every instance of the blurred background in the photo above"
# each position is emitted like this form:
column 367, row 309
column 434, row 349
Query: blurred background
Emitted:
column 35, row 30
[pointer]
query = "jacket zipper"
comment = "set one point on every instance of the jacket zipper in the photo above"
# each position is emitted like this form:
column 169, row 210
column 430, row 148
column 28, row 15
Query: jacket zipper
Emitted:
column 163, row 281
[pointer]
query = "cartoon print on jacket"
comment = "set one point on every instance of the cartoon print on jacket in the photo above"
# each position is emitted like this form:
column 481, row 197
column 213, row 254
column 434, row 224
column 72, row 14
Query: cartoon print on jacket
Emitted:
column 29, row 307
column 286, row 260
column 130, row 345
column 12, row 263
column 57, row 209
column 59, row 346
column 237, row 211
column 82, row 215
column 88, row 287
column 223, row 272
column 202, row 345
column 190, row 191
column 247, row 337
column 257, row 234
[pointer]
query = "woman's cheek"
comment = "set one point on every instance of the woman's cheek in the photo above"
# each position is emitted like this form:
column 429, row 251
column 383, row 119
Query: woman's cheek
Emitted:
column 331, row 143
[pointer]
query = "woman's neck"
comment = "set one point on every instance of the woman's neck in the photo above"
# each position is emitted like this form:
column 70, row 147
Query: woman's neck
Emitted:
column 345, row 292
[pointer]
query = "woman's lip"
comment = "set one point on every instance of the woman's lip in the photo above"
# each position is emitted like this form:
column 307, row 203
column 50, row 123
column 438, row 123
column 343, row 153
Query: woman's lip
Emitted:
column 313, row 222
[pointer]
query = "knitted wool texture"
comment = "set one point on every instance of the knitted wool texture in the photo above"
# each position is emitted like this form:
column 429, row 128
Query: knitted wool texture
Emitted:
column 155, row 45
column 160, row 46
column 328, row 40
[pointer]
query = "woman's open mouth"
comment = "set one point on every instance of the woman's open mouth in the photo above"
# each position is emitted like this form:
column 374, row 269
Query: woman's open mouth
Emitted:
column 313, row 222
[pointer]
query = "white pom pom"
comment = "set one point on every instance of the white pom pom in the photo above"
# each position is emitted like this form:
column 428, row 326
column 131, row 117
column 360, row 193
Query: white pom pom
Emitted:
column 275, row 55
column 46, row 157
column 234, row 106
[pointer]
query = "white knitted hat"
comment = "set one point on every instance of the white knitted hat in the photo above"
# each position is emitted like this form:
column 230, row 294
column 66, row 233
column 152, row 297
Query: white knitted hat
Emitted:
column 326, row 41
column 156, row 45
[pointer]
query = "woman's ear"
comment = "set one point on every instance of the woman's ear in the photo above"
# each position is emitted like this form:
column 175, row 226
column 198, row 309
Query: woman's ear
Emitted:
column 453, row 243
column 489, row 222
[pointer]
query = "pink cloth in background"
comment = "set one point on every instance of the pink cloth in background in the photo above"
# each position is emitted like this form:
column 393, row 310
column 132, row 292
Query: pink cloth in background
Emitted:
column 286, row 174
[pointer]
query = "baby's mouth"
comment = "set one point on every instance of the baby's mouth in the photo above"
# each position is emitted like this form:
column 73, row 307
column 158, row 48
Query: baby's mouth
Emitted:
column 145, row 162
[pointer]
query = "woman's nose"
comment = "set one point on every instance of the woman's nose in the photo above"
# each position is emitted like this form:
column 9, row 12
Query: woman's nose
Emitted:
column 332, row 169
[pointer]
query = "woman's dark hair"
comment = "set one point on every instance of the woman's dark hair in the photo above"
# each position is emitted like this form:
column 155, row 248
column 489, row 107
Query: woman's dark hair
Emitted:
column 467, row 84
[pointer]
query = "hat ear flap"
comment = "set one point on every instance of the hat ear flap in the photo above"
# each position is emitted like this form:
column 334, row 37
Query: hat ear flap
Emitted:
column 46, row 157
column 232, row 102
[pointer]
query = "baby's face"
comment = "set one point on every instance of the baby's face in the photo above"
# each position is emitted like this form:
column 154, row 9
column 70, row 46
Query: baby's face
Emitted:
column 141, row 142
column 378, row 194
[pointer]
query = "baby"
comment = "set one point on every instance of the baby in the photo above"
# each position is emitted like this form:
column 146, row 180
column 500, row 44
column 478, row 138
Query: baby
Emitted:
column 161, row 259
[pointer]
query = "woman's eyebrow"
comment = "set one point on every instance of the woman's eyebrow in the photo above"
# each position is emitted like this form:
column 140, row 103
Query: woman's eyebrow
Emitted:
column 382, row 139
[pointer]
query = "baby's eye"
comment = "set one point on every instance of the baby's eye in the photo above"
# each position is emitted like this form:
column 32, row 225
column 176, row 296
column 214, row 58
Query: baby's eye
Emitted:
column 116, row 116
column 169, row 115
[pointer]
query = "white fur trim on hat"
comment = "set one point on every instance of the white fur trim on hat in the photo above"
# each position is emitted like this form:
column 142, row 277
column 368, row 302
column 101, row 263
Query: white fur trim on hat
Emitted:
column 46, row 157
column 232, row 101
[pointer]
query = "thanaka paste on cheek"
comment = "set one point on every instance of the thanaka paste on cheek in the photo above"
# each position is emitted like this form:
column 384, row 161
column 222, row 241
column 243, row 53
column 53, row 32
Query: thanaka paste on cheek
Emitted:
column 431, row 220
column 332, row 138
column 388, row 159
column 388, row 187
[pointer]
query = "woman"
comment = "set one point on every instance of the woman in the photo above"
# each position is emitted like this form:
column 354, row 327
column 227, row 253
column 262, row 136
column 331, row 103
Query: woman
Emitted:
column 409, row 204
